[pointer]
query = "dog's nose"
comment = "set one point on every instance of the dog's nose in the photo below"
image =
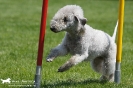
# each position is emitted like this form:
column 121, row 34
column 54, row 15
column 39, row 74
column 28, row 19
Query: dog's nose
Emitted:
column 53, row 29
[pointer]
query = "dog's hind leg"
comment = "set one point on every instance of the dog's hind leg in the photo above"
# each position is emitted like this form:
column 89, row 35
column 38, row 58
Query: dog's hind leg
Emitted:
column 108, row 70
column 97, row 64
column 104, row 66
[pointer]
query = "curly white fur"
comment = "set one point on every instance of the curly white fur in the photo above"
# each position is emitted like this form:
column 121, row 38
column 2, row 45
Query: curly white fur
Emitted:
column 83, row 42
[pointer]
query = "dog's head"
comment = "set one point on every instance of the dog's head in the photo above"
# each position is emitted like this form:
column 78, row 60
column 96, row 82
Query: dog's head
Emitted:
column 8, row 79
column 69, row 18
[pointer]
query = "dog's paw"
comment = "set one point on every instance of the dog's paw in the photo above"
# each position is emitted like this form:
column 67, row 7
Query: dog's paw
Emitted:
column 61, row 69
column 49, row 60
column 65, row 67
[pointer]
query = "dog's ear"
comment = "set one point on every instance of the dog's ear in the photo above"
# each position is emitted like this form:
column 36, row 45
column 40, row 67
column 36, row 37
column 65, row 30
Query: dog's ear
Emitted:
column 81, row 20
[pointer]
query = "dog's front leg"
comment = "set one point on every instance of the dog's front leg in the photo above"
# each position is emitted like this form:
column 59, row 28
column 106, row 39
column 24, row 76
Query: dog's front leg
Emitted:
column 60, row 50
column 73, row 61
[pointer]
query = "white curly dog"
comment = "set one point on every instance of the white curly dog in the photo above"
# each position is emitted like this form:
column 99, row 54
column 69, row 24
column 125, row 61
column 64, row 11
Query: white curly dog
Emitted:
column 83, row 42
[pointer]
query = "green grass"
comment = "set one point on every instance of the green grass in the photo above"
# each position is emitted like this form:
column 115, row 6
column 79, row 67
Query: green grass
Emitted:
column 19, row 33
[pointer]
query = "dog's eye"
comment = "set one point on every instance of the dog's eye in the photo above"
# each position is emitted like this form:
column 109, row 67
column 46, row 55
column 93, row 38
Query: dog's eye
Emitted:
column 65, row 19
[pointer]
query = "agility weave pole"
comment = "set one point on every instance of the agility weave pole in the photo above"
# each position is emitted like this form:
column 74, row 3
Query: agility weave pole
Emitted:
column 119, row 42
column 37, row 83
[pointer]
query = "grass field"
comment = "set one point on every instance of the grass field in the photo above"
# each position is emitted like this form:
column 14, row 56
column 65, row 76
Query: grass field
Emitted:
column 19, row 33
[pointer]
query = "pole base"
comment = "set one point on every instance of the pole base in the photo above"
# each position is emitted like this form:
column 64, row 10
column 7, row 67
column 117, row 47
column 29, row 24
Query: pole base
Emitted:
column 117, row 73
column 37, row 83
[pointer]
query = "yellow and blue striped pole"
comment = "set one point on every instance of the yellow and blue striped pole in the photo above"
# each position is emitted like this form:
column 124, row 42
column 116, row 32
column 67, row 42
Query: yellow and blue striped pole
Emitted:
column 119, row 42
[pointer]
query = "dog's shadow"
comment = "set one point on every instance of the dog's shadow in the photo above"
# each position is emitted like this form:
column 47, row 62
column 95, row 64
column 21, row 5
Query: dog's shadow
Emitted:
column 70, row 82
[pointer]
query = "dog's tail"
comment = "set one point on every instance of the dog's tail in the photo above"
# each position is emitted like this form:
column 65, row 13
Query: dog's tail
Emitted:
column 115, row 31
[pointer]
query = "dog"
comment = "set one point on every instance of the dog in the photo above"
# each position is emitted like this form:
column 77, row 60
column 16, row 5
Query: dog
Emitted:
column 83, row 42
column 6, row 81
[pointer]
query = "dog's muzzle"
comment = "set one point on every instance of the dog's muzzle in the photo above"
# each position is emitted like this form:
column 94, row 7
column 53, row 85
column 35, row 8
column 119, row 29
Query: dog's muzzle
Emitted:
column 53, row 29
